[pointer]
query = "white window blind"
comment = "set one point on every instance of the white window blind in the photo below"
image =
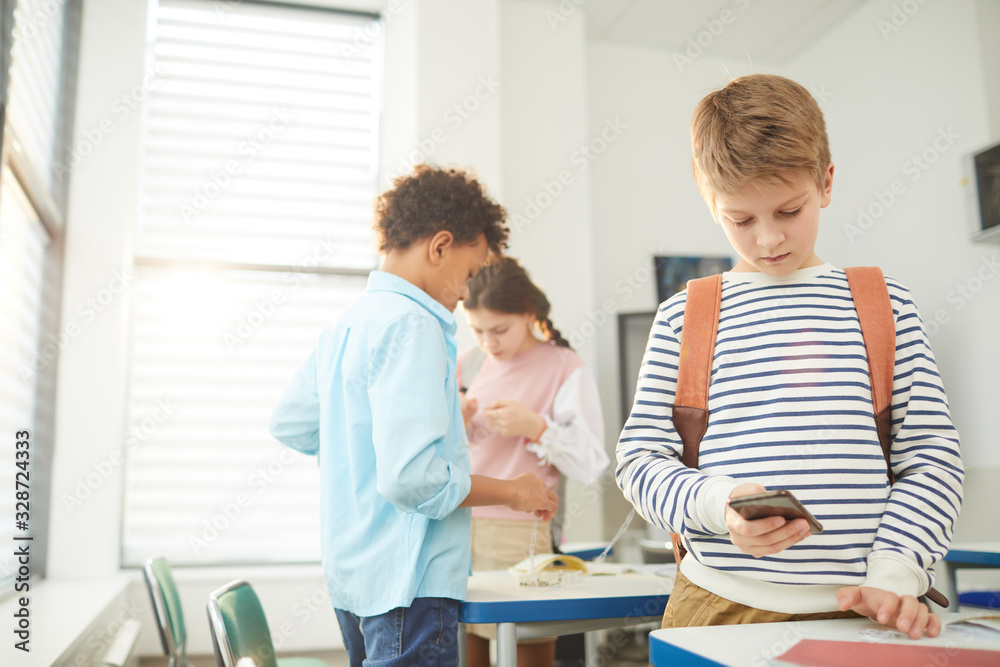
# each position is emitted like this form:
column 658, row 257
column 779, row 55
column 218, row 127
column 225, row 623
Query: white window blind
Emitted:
column 22, row 257
column 35, row 83
column 261, row 136
column 211, row 353
column 260, row 168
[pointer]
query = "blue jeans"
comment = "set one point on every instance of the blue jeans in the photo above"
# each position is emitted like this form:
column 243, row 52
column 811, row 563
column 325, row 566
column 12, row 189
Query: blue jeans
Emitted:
column 425, row 634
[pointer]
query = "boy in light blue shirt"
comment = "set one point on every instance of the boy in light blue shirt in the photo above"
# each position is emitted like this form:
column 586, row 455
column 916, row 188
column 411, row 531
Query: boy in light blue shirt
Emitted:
column 377, row 401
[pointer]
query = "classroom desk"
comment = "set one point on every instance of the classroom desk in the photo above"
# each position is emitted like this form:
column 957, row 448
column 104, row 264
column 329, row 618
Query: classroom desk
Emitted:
column 758, row 644
column 967, row 556
column 594, row 603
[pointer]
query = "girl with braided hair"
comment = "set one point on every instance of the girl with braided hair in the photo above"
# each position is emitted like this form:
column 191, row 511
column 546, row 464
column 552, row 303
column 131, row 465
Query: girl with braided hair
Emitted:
column 530, row 405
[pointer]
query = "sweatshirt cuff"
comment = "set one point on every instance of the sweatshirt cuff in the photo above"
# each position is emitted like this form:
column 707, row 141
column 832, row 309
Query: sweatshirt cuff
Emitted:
column 712, row 503
column 893, row 572
column 447, row 500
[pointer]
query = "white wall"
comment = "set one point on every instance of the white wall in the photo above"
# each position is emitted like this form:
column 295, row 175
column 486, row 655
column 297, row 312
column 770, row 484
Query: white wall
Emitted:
column 547, row 185
column 988, row 19
column 443, row 89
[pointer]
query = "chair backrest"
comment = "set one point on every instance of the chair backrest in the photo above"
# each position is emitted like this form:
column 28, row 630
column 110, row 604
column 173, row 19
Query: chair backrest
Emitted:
column 167, row 609
column 239, row 627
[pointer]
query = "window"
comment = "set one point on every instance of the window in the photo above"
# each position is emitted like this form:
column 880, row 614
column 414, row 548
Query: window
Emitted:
column 37, row 45
column 260, row 169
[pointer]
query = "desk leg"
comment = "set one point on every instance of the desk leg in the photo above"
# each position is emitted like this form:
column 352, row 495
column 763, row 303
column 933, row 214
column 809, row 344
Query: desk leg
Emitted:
column 590, row 649
column 506, row 645
column 461, row 645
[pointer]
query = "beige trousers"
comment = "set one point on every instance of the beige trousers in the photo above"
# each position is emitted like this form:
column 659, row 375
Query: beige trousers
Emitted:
column 690, row 606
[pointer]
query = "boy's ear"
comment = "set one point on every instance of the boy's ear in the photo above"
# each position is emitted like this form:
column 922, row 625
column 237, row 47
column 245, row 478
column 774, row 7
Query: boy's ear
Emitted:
column 439, row 244
column 824, row 199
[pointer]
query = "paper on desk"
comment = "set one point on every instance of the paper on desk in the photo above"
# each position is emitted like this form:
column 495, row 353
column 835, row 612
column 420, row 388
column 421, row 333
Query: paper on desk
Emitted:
column 880, row 635
column 648, row 570
column 984, row 626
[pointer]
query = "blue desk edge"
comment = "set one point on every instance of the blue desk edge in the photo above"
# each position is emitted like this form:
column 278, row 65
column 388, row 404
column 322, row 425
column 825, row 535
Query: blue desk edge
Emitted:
column 664, row 654
column 959, row 556
column 530, row 611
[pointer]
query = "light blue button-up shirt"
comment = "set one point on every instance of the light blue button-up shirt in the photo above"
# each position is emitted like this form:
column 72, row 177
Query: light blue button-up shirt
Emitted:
column 377, row 401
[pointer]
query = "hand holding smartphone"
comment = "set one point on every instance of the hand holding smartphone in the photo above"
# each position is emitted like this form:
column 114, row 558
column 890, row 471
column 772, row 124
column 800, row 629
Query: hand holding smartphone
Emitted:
column 774, row 503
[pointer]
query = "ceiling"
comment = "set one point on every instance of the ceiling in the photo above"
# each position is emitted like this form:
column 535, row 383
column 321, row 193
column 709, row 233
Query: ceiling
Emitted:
column 774, row 31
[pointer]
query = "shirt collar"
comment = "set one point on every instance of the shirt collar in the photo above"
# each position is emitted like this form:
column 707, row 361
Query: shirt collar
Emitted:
column 759, row 278
column 381, row 281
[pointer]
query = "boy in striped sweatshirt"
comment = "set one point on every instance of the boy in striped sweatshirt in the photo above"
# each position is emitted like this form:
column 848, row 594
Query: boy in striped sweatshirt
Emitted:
column 790, row 402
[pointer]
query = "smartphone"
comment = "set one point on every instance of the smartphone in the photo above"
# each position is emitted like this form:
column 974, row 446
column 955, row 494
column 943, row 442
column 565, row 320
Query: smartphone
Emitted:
column 774, row 503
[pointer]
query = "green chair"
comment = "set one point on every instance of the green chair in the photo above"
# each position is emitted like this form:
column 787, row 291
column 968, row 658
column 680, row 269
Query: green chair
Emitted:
column 167, row 609
column 239, row 629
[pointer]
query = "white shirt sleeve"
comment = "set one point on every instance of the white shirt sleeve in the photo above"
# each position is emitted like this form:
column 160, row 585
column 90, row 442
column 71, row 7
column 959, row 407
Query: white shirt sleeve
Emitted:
column 574, row 438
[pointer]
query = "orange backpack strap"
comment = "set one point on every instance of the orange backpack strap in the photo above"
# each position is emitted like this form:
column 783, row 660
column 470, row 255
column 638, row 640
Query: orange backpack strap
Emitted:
column 694, row 372
column 878, row 327
column 694, row 369
column 871, row 299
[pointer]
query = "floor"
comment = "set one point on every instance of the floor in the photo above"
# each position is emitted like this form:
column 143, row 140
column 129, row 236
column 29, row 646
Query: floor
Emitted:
column 627, row 649
column 332, row 658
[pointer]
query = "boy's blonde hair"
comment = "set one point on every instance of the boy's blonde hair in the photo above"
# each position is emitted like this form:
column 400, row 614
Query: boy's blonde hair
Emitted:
column 754, row 129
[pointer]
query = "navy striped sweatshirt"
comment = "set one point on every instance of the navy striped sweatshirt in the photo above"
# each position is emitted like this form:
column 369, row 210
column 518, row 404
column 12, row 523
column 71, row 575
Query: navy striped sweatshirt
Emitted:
column 790, row 408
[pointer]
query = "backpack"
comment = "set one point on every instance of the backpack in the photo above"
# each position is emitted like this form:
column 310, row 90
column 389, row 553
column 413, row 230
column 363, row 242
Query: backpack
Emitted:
column 701, row 323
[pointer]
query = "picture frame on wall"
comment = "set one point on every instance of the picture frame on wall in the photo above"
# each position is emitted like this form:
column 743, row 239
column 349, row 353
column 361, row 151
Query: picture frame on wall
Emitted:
column 983, row 181
column 673, row 273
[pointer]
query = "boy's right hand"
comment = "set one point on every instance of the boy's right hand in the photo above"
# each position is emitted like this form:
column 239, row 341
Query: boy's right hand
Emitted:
column 531, row 495
column 762, row 537
column 902, row 612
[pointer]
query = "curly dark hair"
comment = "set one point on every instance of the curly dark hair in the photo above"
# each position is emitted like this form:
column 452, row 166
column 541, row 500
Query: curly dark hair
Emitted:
column 504, row 286
column 434, row 199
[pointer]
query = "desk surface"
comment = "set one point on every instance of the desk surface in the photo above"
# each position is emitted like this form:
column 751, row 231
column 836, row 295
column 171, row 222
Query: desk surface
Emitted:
column 976, row 553
column 495, row 597
column 754, row 645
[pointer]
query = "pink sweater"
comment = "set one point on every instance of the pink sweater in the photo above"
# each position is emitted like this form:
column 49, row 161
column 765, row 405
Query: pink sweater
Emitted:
column 532, row 378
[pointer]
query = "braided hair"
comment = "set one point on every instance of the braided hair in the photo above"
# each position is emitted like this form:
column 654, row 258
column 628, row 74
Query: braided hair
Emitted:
column 504, row 286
